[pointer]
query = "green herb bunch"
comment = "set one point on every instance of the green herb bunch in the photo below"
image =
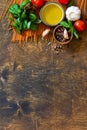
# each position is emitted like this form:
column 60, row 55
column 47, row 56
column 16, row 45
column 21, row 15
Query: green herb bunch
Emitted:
column 68, row 24
column 23, row 17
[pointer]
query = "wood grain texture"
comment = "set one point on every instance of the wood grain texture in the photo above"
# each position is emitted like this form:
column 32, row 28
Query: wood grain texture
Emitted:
column 44, row 88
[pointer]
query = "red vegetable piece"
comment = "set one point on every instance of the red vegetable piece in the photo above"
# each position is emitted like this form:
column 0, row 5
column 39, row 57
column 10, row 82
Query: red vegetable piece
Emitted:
column 64, row 2
column 38, row 3
column 80, row 25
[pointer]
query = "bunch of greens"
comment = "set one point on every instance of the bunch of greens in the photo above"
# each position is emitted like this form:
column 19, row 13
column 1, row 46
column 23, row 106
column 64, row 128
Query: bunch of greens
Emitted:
column 68, row 24
column 24, row 17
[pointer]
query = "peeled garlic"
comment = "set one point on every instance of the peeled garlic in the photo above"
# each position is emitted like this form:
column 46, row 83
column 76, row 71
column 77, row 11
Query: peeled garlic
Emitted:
column 66, row 36
column 45, row 32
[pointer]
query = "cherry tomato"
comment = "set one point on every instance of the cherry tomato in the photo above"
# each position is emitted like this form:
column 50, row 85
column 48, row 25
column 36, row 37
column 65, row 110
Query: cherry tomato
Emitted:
column 80, row 25
column 38, row 3
column 64, row 2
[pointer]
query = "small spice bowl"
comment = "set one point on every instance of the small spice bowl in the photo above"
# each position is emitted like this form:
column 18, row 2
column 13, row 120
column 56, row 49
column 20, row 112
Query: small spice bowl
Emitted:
column 62, row 35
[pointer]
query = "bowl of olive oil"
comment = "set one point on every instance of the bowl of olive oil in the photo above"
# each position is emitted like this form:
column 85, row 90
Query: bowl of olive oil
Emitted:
column 52, row 13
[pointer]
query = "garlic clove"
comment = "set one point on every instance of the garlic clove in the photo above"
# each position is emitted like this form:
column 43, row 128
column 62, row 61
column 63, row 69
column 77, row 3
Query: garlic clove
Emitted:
column 45, row 32
column 65, row 34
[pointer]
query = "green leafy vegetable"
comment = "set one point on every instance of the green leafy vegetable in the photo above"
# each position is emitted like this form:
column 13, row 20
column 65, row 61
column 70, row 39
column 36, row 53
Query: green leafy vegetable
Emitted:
column 28, row 25
column 23, row 18
column 64, row 24
column 32, row 16
column 33, row 26
column 23, row 15
column 24, row 3
column 37, row 21
column 25, row 22
column 18, row 25
column 15, row 10
column 71, row 3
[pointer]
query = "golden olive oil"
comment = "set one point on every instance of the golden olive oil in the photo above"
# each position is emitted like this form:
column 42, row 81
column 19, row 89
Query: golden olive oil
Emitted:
column 52, row 14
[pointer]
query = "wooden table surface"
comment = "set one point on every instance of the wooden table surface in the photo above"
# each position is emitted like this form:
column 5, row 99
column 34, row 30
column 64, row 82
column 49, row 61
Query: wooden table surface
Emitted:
column 44, row 89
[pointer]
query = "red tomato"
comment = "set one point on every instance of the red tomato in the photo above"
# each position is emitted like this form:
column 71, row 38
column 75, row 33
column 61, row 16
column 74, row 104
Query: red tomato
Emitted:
column 64, row 2
column 80, row 25
column 38, row 3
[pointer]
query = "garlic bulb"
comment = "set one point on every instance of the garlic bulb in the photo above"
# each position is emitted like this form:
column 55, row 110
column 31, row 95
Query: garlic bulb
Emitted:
column 73, row 13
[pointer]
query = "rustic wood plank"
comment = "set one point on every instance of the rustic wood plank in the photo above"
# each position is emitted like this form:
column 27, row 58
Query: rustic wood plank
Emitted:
column 43, row 89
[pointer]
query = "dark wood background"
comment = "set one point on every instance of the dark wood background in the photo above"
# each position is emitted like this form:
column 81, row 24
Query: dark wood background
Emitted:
column 43, row 89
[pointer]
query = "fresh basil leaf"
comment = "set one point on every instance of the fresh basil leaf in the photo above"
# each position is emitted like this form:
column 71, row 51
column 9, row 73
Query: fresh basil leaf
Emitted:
column 15, row 10
column 28, row 24
column 18, row 21
column 18, row 24
column 75, row 33
column 37, row 21
column 23, row 15
column 70, row 24
column 33, row 26
column 18, row 30
column 25, row 24
column 71, row 3
column 73, row 30
column 24, row 3
column 32, row 16
column 64, row 24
